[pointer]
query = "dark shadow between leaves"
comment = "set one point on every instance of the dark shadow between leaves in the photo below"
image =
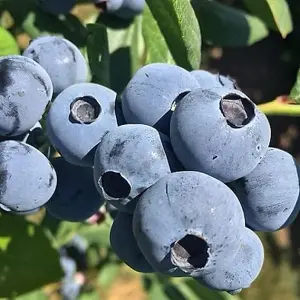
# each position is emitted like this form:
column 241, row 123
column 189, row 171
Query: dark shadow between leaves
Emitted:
column 19, row 15
column 119, row 113
column 69, row 25
column 120, row 69
column 112, row 21
column 214, row 15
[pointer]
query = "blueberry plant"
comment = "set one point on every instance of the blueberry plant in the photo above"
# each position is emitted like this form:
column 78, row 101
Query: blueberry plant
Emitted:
column 120, row 153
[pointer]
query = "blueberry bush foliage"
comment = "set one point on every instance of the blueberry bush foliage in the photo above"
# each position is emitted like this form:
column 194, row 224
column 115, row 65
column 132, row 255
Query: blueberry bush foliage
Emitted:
column 37, row 251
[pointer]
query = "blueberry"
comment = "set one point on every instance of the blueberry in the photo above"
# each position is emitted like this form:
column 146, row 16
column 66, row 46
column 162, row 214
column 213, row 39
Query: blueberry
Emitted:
column 130, row 8
column 174, row 163
column 5, row 209
column 227, row 81
column 70, row 290
column 242, row 271
column 209, row 80
column 206, row 79
column 219, row 132
column 128, row 161
column 234, row 292
column 149, row 96
column 124, row 244
column 68, row 265
column 25, row 91
column 26, row 213
column 56, row 7
column 183, row 226
column 109, row 6
column 269, row 194
column 61, row 59
column 125, row 9
column 28, row 180
column 78, row 119
column 77, row 250
column 294, row 213
column 75, row 198
column 112, row 210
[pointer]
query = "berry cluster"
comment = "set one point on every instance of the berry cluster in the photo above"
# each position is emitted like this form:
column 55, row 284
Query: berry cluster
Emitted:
column 184, row 157
column 123, row 9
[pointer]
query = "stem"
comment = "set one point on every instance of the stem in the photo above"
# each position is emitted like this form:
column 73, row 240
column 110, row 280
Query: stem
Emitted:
column 280, row 107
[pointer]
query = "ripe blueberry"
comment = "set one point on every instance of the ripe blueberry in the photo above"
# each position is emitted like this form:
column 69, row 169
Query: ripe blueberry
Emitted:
column 78, row 119
column 183, row 226
column 240, row 272
column 124, row 244
column 28, row 180
column 128, row 160
column 219, row 132
column 270, row 193
column 61, row 59
column 150, row 95
column 75, row 198
column 25, row 91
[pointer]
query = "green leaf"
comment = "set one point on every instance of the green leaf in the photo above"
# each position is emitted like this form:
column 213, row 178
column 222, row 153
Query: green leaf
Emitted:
column 223, row 25
column 205, row 293
column 173, row 292
column 187, row 292
column 127, row 50
column 180, row 28
column 108, row 274
column 156, row 47
column 4, row 242
column 28, row 260
column 159, row 286
column 137, row 45
column 35, row 295
column 295, row 92
column 96, row 234
column 8, row 45
column 89, row 296
column 156, row 292
column 61, row 232
column 276, row 14
column 39, row 23
column 119, row 38
column 165, row 288
column 93, row 257
column 98, row 53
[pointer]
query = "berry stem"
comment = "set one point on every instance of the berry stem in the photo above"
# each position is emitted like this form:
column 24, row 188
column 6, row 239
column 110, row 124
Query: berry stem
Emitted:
column 282, row 106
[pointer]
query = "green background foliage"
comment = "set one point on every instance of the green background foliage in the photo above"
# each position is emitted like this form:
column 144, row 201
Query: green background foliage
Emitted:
column 180, row 32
